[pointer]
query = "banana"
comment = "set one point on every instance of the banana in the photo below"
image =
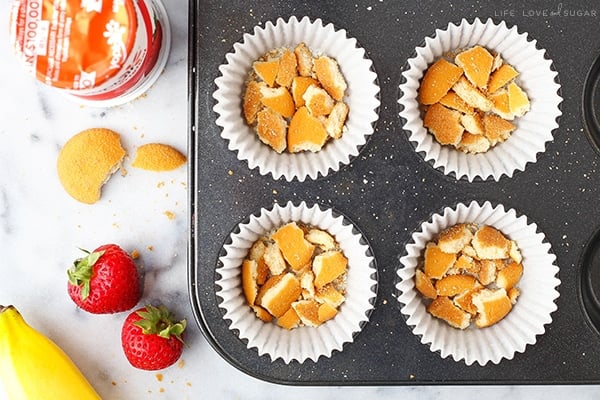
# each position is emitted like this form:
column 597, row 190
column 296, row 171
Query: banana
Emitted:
column 34, row 367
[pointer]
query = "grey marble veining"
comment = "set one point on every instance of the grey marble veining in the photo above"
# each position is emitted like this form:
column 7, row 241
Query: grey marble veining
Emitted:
column 41, row 229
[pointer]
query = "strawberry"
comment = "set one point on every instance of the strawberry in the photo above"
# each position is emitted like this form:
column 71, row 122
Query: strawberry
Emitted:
column 106, row 281
column 151, row 338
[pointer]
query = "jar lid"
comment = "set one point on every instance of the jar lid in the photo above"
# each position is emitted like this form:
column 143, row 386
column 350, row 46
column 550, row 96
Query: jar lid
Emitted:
column 73, row 44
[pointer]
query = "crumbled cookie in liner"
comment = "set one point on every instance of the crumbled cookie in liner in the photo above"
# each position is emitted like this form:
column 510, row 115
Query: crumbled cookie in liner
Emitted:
column 471, row 103
column 294, row 100
column 470, row 274
column 295, row 276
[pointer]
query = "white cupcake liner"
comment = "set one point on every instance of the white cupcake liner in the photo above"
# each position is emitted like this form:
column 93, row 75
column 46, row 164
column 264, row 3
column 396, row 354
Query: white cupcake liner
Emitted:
column 361, row 98
column 524, row 322
column 304, row 342
column 533, row 130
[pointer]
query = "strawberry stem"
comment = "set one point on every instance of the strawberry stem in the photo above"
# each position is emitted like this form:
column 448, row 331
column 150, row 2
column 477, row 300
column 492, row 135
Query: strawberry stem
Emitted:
column 80, row 274
column 159, row 321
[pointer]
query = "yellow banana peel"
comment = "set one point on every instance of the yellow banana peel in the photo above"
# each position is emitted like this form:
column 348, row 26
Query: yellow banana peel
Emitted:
column 34, row 367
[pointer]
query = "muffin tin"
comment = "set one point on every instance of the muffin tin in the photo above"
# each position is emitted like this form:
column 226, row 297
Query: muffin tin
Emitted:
column 388, row 190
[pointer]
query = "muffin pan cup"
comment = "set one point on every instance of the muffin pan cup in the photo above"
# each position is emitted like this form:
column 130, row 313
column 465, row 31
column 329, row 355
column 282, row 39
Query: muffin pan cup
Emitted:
column 301, row 343
column 321, row 40
column 533, row 130
column 388, row 190
column 529, row 316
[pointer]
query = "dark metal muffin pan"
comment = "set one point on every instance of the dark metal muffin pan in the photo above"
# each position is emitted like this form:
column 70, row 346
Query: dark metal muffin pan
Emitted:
column 388, row 190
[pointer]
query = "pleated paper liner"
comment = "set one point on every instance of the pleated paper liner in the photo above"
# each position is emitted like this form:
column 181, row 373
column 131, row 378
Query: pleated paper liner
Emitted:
column 528, row 317
column 304, row 342
column 362, row 98
column 536, row 77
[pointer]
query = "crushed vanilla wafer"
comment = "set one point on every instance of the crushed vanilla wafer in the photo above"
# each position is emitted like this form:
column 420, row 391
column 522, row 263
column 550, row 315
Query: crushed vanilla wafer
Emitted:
column 295, row 276
column 471, row 100
column 294, row 100
column 470, row 274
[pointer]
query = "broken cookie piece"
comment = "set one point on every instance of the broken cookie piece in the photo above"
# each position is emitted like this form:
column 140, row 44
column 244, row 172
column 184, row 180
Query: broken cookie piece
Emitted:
column 468, row 103
column 307, row 93
column 468, row 275
column 304, row 278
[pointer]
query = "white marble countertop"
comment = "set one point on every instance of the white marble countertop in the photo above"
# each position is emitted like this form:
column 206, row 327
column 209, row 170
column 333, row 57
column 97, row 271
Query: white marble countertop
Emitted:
column 41, row 229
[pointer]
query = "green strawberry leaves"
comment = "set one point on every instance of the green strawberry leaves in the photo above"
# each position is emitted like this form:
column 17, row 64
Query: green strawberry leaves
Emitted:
column 160, row 321
column 81, row 271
